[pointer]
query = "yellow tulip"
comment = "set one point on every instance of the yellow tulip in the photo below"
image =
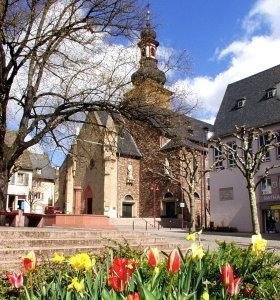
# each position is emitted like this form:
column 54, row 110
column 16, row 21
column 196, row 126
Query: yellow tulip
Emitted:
column 81, row 261
column 58, row 258
column 258, row 244
column 197, row 251
column 76, row 285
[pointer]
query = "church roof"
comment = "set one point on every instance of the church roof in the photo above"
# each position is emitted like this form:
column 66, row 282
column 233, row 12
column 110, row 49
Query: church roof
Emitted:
column 246, row 102
column 127, row 145
column 188, row 132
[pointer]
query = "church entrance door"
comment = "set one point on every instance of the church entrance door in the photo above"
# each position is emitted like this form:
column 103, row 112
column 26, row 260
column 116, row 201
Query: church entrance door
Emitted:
column 127, row 210
column 89, row 206
column 170, row 209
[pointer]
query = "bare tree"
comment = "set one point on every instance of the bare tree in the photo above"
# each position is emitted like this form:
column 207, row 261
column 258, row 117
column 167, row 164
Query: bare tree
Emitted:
column 244, row 155
column 44, row 80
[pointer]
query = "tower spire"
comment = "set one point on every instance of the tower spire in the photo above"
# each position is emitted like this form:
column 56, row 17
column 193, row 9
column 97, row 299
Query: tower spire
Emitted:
column 148, row 15
column 148, row 62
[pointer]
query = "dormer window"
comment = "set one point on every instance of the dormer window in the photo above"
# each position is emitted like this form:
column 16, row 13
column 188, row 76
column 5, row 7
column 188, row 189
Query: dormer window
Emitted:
column 240, row 103
column 270, row 93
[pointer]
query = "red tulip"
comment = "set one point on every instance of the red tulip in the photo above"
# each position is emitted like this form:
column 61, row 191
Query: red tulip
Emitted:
column 133, row 296
column 15, row 279
column 233, row 287
column 174, row 262
column 119, row 273
column 29, row 261
column 248, row 291
column 153, row 257
column 227, row 274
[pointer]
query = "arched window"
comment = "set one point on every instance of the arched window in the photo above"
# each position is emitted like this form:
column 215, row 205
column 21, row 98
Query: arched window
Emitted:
column 196, row 196
column 128, row 198
column 168, row 195
column 127, row 207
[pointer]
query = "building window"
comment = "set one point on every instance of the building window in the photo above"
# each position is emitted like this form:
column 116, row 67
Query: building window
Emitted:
column 266, row 186
column 22, row 178
column 278, row 148
column 231, row 155
column 218, row 158
column 12, row 179
column 263, row 142
column 270, row 93
column 208, row 183
column 240, row 102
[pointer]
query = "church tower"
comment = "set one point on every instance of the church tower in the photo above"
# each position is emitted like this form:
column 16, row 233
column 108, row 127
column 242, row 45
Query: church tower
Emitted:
column 148, row 81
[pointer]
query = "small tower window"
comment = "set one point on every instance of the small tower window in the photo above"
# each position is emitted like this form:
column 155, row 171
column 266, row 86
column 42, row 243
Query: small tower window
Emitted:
column 153, row 52
column 150, row 51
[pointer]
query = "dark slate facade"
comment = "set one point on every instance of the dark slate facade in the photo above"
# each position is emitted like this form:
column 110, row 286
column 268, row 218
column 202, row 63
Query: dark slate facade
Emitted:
column 258, row 108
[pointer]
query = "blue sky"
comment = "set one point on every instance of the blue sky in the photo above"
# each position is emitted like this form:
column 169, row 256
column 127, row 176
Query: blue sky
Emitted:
column 227, row 40
column 201, row 27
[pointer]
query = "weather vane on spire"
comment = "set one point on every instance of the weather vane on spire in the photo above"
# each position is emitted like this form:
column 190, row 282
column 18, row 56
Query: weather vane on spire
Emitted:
column 148, row 16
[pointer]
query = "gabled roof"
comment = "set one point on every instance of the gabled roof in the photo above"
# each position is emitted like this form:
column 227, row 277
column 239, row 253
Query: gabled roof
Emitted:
column 32, row 161
column 258, row 111
column 127, row 145
column 41, row 162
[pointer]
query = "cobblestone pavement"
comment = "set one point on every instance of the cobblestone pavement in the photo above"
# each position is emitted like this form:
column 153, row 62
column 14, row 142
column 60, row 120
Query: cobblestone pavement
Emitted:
column 175, row 235
column 208, row 239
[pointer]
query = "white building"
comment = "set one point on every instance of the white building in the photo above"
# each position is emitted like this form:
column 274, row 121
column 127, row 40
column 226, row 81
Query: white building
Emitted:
column 31, row 187
column 254, row 102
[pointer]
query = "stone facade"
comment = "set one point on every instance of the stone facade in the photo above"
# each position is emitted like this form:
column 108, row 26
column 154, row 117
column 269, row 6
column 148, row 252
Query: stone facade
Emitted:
column 120, row 167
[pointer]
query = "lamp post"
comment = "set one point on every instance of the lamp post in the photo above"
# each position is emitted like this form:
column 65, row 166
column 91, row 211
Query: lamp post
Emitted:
column 154, row 188
column 204, row 145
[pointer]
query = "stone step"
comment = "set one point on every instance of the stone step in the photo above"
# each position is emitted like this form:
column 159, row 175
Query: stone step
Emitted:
column 6, row 234
column 39, row 242
column 14, row 262
column 40, row 250
column 43, row 253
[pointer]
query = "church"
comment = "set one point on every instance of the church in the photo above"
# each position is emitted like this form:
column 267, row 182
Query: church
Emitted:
column 125, row 168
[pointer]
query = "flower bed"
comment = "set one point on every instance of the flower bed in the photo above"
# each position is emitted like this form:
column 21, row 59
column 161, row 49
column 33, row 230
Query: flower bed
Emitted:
column 122, row 273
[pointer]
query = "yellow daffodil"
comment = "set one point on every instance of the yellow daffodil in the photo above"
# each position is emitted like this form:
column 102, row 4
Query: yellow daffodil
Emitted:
column 191, row 236
column 58, row 258
column 205, row 296
column 76, row 285
column 196, row 251
column 258, row 244
column 81, row 261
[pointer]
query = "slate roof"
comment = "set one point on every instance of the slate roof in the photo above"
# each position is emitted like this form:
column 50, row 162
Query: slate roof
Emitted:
column 258, row 111
column 188, row 132
column 32, row 161
column 182, row 130
column 42, row 162
column 127, row 145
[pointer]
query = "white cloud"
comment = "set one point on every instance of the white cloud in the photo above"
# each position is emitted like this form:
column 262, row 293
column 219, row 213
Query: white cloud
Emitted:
column 249, row 55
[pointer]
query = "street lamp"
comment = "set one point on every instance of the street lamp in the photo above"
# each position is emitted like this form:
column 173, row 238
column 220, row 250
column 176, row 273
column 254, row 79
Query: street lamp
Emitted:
column 154, row 188
column 204, row 145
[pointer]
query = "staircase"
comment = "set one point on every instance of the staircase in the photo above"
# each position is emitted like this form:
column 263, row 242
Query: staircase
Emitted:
column 17, row 242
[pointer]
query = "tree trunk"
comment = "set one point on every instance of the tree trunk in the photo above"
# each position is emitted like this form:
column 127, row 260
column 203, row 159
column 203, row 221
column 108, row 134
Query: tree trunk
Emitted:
column 253, row 206
column 4, row 180
column 192, row 212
